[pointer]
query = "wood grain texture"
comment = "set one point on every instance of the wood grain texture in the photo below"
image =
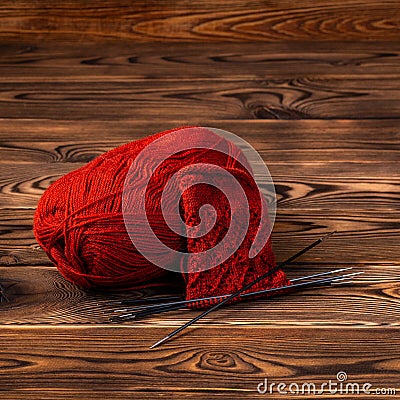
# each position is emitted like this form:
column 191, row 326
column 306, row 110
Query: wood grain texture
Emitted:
column 374, row 135
column 243, row 20
column 317, row 98
column 245, row 82
column 117, row 361
column 31, row 60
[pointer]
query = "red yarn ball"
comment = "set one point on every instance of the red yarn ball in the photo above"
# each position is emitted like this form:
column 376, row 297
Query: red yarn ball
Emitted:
column 79, row 224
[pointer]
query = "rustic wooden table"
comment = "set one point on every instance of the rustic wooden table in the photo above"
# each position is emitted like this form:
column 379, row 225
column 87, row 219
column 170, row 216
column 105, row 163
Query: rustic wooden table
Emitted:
column 325, row 118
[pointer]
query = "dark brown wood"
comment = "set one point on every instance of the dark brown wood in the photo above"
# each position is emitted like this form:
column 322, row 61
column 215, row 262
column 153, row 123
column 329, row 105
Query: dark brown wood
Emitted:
column 278, row 141
column 207, row 363
column 370, row 138
column 31, row 60
column 40, row 80
column 234, row 20
column 345, row 97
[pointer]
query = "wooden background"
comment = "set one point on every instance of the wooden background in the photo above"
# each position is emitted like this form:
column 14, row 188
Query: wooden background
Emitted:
column 314, row 86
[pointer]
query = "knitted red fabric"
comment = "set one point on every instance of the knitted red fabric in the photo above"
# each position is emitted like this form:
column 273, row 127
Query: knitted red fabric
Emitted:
column 237, row 270
column 79, row 223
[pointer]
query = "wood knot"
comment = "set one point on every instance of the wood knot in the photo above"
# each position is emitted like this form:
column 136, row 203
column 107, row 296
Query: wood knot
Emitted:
column 219, row 360
column 273, row 112
column 222, row 361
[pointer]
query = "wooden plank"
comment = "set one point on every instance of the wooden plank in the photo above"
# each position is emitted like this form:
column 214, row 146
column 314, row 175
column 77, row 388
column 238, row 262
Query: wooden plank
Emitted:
column 363, row 237
column 285, row 142
column 229, row 362
column 40, row 295
column 38, row 60
column 345, row 186
column 204, row 21
column 348, row 97
column 367, row 132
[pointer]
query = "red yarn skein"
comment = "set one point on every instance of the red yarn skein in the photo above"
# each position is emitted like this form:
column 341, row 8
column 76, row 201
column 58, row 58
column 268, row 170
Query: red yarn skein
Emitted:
column 79, row 224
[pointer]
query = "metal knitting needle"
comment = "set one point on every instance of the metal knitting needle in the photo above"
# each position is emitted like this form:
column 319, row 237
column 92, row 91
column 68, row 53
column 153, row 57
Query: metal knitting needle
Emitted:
column 305, row 284
column 220, row 297
column 170, row 307
column 327, row 281
column 334, row 271
column 248, row 286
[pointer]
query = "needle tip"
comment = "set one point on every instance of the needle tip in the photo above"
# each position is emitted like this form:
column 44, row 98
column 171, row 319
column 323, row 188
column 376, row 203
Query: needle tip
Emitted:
column 159, row 342
column 346, row 277
column 327, row 235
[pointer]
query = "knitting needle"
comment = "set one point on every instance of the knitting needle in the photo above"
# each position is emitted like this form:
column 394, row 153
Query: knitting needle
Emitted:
column 335, row 271
column 305, row 284
column 145, row 307
column 161, row 300
column 248, row 286
column 173, row 306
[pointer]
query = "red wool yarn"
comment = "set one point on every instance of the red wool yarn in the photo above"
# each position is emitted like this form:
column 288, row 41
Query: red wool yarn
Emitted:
column 80, row 225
